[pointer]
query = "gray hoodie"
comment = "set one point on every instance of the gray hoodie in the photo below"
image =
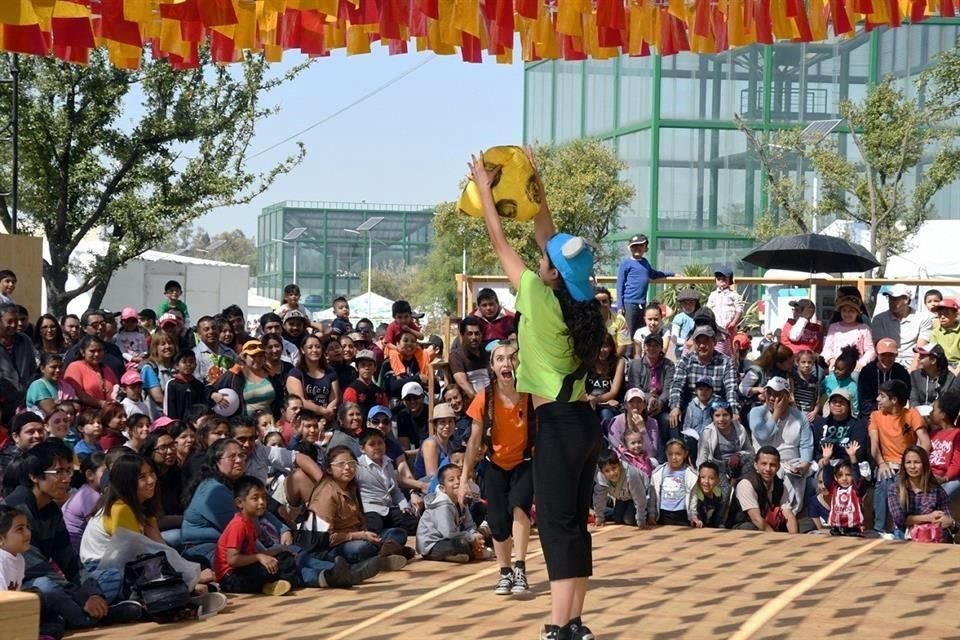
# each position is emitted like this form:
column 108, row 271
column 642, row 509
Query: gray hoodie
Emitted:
column 632, row 485
column 443, row 519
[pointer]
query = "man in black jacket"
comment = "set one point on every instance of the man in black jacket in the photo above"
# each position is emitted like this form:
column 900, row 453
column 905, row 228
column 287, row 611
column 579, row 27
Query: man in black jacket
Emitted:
column 884, row 368
column 18, row 358
column 79, row 600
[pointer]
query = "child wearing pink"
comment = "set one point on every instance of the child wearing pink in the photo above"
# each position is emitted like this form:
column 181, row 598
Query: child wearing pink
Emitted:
column 849, row 331
column 945, row 458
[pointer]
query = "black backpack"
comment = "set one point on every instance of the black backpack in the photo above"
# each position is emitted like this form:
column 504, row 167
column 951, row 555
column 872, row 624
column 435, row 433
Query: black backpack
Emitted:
column 153, row 582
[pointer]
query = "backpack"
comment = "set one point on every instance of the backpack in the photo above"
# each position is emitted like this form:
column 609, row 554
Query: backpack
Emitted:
column 153, row 582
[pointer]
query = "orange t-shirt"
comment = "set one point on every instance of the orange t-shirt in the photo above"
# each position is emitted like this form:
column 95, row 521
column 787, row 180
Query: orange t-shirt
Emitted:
column 509, row 434
column 896, row 432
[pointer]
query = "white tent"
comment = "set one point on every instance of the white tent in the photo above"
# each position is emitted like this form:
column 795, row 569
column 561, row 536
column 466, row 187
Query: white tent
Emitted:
column 258, row 305
column 367, row 305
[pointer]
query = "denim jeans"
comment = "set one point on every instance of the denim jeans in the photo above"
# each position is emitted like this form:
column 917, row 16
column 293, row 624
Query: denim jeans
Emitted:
column 57, row 599
column 880, row 503
column 311, row 567
column 355, row 551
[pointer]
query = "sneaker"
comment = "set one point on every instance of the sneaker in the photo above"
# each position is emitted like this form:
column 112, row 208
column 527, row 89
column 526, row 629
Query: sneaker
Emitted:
column 504, row 584
column 210, row 605
column 392, row 563
column 552, row 633
column 459, row 558
column 365, row 570
column 580, row 632
column 277, row 588
column 520, row 584
column 123, row 612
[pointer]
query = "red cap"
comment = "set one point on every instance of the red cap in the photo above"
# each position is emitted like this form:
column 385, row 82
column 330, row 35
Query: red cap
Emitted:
column 949, row 303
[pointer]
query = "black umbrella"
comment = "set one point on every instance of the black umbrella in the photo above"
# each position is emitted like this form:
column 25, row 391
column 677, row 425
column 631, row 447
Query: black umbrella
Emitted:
column 812, row 253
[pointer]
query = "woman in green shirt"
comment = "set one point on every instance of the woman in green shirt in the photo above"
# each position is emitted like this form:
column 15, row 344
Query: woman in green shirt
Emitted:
column 560, row 333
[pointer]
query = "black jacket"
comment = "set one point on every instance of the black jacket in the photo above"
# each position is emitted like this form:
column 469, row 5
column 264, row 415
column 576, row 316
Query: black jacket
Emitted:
column 868, row 385
column 20, row 367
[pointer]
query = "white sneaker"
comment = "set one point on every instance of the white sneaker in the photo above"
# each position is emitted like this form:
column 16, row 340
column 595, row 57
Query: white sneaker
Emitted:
column 210, row 605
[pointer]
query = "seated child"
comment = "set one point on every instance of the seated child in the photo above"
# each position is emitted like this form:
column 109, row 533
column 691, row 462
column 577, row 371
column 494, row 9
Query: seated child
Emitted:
column 671, row 486
column 446, row 531
column 708, row 504
column 384, row 503
column 818, row 509
column 131, row 339
column 637, row 451
column 240, row 568
column 625, row 485
column 131, row 386
column 726, row 444
column 403, row 321
column 842, row 378
column 79, row 507
column 846, row 491
column 88, row 425
column 697, row 415
column 14, row 542
column 335, row 505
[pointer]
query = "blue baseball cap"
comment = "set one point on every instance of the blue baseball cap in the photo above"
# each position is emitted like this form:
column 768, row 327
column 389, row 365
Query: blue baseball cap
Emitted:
column 725, row 271
column 378, row 410
column 573, row 258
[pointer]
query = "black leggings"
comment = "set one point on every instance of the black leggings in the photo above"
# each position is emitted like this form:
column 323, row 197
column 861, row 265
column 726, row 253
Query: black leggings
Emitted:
column 569, row 439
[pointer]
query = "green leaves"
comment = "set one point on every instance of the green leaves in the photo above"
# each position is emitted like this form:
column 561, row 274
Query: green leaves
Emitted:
column 133, row 155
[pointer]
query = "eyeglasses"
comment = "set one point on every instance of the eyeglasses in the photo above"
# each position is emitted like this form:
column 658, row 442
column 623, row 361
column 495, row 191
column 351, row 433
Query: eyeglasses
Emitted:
column 380, row 421
column 60, row 473
column 346, row 464
column 96, row 324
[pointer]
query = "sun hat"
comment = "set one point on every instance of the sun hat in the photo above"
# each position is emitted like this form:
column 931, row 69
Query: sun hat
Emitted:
column 443, row 410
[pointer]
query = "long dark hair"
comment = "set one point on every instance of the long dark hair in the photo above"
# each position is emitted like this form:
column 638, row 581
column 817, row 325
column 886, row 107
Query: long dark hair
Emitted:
column 58, row 340
column 585, row 325
column 124, row 476
column 150, row 446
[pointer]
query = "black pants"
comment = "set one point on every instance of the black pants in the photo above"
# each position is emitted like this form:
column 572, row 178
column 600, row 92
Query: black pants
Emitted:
column 505, row 490
column 569, row 440
column 251, row 578
column 622, row 512
column 395, row 518
column 633, row 314
column 446, row 548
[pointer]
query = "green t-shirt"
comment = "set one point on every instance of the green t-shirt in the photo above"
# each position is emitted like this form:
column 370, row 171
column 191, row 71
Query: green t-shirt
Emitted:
column 179, row 305
column 40, row 389
column 546, row 355
column 949, row 340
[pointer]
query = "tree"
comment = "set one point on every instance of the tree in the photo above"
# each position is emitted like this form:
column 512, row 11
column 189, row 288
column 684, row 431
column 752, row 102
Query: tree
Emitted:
column 905, row 158
column 132, row 155
column 586, row 196
column 394, row 282
column 228, row 246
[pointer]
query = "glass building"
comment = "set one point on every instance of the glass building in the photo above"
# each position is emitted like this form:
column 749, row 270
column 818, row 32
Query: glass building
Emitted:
column 330, row 256
column 699, row 188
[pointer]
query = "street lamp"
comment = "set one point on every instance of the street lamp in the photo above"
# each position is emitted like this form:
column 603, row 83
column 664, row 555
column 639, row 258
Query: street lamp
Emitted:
column 367, row 228
column 291, row 238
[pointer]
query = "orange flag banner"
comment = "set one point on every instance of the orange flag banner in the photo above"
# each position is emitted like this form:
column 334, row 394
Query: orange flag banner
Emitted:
column 567, row 29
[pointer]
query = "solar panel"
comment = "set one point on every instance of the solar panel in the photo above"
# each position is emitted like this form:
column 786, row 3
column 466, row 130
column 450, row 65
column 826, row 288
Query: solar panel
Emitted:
column 370, row 223
column 817, row 131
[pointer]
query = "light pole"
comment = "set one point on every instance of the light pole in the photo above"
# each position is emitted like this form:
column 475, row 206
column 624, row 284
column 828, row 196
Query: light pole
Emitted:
column 291, row 238
column 367, row 227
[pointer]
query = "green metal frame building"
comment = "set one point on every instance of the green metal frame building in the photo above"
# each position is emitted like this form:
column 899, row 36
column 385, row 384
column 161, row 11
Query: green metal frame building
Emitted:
column 699, row 188
column 330, row 259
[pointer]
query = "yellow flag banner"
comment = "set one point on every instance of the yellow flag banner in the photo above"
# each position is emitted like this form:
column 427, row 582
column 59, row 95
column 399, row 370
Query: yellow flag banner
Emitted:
column 553, row 29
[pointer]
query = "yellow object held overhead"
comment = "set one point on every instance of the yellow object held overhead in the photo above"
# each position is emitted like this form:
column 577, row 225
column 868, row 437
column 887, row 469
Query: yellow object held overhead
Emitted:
column 515, row 190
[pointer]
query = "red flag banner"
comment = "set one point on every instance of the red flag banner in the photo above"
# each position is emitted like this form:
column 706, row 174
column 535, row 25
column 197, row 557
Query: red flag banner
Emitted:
column 567, row 29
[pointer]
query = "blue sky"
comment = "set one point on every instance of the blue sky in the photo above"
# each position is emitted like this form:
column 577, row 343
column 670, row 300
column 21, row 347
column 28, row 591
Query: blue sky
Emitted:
column 409, row 144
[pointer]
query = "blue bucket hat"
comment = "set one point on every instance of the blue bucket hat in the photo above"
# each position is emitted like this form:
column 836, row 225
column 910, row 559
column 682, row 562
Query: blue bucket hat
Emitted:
column 573, row 258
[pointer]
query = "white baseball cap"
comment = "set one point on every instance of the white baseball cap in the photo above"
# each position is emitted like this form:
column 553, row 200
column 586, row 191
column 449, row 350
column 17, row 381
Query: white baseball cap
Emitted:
column 900, row 291
column 411, row 389
column 776, row 383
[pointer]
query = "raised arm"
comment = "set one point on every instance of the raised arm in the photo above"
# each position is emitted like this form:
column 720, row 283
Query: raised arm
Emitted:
column 543, row 228
column 509, row 259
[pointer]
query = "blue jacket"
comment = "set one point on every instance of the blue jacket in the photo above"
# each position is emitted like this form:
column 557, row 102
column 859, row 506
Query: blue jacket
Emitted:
column 210, row 510
column 633, row 279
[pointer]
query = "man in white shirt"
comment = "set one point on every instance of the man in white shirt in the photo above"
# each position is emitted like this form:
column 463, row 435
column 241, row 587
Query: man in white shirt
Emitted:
column 904, row 324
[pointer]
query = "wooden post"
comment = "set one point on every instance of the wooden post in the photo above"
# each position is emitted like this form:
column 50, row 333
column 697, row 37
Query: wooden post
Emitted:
column 20, row 612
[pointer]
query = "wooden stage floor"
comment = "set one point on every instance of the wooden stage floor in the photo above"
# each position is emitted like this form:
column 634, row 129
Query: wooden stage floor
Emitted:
column 656, row 584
